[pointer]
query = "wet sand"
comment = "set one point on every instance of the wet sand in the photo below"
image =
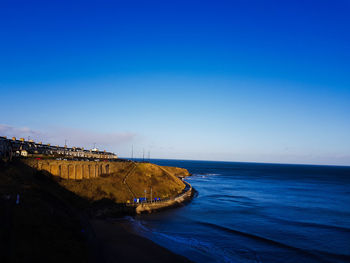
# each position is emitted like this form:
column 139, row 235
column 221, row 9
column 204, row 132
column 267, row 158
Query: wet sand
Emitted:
column 117, row 243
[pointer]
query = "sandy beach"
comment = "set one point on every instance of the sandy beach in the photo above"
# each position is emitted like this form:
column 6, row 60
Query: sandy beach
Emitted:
column 118, row 243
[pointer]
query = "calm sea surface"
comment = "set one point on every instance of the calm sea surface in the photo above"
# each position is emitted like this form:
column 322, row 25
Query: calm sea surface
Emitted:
column 248, row 212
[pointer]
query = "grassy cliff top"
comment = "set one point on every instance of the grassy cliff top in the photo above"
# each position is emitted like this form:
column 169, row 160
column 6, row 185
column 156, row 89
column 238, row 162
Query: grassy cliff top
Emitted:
column 130, row 182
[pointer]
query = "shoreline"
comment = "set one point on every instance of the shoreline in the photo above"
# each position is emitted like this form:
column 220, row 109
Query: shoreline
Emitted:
column 182, row 198
column 117, row 242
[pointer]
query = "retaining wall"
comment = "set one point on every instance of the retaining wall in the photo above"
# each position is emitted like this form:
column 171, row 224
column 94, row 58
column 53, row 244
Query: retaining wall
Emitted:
column 74, row 170
column 153, row 206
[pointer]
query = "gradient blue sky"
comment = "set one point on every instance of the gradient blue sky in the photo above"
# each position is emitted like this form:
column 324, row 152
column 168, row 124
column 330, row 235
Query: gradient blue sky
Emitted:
column 260, row 81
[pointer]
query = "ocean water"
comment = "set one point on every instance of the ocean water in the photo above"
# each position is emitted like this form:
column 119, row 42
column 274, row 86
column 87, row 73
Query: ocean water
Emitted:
column 250, row 212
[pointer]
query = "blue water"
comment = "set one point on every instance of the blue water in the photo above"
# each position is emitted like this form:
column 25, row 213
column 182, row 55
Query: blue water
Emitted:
column 249, row 212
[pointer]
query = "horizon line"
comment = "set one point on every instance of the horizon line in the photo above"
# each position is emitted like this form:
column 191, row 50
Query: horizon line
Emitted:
column 254, row 162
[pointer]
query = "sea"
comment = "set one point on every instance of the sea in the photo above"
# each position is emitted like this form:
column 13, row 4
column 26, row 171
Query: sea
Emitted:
column 254, row 212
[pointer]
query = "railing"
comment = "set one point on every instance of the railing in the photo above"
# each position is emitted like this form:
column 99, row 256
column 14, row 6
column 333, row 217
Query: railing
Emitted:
column 185, row 191
column 126, row 177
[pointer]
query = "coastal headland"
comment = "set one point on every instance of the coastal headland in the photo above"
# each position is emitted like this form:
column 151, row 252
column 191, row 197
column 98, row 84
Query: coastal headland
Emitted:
column 141, row 186
column 55, row 210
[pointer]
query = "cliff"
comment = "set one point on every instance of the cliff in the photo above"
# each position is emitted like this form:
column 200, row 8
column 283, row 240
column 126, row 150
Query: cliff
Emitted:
column 126, row 183
column 118, row 182
column 45, row 218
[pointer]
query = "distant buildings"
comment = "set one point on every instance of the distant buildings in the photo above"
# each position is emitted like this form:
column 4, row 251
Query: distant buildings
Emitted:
column 13, row 147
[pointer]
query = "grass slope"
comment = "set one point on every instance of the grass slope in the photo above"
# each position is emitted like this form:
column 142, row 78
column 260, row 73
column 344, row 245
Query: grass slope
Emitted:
column 141, row 177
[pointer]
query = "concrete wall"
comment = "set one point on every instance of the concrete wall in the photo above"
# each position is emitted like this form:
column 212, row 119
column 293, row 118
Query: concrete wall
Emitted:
column 74, row 170
column 149, row 207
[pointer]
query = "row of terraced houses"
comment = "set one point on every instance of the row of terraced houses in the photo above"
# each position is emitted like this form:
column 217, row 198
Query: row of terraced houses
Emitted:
column 28, row 148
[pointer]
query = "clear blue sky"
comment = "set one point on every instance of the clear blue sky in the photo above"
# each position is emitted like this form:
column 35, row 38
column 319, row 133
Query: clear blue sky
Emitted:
column 263, row 81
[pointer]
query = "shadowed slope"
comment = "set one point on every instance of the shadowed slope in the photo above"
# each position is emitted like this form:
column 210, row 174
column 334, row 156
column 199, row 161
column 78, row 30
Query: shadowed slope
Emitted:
column 43, row 226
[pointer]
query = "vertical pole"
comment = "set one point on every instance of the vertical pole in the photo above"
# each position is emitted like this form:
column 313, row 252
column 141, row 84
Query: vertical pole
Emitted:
column 132, row 152
column 65, row 147
column 145, row 195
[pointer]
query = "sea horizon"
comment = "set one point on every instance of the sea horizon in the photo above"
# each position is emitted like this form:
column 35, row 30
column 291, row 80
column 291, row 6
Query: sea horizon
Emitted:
column 247, row 162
